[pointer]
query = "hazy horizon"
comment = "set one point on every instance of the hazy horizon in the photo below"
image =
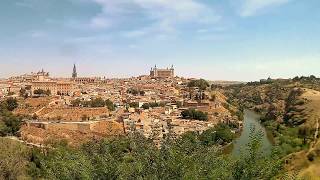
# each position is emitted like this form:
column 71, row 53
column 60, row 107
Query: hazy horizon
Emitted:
column 240, row 40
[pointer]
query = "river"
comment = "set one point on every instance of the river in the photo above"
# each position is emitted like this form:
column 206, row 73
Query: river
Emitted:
column 251, row 119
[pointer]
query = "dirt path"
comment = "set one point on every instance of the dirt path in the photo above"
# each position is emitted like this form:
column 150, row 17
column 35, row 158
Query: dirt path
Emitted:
column 316, row 134
column 14, row 138
column 38, row 112
column 317, row 130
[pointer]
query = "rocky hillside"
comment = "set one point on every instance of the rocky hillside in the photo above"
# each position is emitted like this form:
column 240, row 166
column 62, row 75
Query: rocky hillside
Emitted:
column 291, row 111
column 305, row 113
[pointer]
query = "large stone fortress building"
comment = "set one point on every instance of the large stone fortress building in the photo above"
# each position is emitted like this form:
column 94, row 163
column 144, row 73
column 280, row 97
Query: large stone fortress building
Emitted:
column 162, row 73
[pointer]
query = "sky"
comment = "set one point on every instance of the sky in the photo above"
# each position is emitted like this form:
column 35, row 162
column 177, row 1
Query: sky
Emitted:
column 241, row 40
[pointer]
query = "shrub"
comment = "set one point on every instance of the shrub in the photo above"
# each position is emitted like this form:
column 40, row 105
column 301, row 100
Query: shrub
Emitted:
column 194, row 114
column 311, row 156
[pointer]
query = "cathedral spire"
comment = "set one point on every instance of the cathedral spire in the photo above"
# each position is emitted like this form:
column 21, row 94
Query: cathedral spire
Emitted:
column 74, row 73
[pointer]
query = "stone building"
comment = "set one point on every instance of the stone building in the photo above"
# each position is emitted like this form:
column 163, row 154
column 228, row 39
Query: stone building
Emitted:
column 74, row 71
column 86, row 80
column 33, row 76
column 162, row 73
column 55, row 87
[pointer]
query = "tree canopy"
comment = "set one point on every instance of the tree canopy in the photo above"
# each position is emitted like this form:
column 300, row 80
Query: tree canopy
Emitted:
column 135, row 157
column 97, row 102
column 201, row 84
column 194, row 114
column 9, row 123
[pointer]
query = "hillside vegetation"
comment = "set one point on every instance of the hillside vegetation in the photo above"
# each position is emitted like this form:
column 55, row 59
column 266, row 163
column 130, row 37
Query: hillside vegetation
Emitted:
column 291, row 111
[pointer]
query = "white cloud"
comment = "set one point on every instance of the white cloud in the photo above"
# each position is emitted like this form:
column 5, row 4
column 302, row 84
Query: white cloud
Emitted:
column 150, row 16
column 28, row 3
column 135, row 33
column 252, row 7
column 212, row 37
column 24, row 4
column 133, row 46
column 100, row 22
column 38, row 34
column 88, row 39
column 275, row 66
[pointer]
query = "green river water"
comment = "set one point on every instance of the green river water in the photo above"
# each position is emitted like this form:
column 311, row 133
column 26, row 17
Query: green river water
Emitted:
column 251, row 120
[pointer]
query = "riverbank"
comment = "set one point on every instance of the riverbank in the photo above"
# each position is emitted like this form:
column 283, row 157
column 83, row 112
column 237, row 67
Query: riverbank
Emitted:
column 251, row 123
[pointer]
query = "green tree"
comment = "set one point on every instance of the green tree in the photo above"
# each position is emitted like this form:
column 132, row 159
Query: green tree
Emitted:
column 76, row 102
column 42, row 92
column 220, row 134
column 194, row 114
column 253, row 163
column 134, row 104
column 22, row 92
column 304, row 132
column 11, row 103
column 63, row 163
column 98, row 102
column 9, row 123
column 146, row 106
column 13, row 160
column 110, row 105
column 201, row 84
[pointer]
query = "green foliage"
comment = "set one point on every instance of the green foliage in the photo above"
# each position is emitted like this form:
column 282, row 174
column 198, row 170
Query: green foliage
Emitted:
column 135, row 157
column 150, row 105
column 194, row 114
column 220, row 134
column 309, row 79
column 253, row 163
column 179, row 104
column 281, row 106
column 289, row 139
column 23, row 92
column 14, row 159
column 135, row 92
column 110, row 105
column 9, row 123
column 134, row 104
column 10, row 104
column 42, row 92
column 97, row 102
column 201, row 84
column 291, row 108
column 76, row 102
column 61, row 163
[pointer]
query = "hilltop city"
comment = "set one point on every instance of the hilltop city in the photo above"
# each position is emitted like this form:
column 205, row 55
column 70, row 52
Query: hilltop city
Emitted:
column 80, row 109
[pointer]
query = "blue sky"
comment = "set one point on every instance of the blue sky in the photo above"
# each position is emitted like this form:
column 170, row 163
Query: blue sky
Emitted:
column 213, row 39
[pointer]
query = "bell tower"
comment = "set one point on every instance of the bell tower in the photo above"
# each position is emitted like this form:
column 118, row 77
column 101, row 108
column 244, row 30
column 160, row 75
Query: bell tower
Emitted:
column 74, row 72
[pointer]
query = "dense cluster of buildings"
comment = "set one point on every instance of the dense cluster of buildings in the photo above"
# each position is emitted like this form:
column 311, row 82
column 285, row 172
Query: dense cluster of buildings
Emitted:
column 131, row 97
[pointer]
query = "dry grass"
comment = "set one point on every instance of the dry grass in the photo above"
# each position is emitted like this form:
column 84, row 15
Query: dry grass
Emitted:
column 299, row 161
column 74, row 138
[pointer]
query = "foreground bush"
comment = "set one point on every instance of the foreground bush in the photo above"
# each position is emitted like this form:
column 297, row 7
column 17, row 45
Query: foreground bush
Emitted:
column 135, row 157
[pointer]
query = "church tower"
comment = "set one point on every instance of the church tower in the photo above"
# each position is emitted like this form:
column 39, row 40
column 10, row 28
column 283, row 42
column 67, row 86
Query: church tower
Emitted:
column 74, row 73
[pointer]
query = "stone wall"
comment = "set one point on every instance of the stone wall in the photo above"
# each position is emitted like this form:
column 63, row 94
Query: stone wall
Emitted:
column 72, row 114
column 104, row 126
